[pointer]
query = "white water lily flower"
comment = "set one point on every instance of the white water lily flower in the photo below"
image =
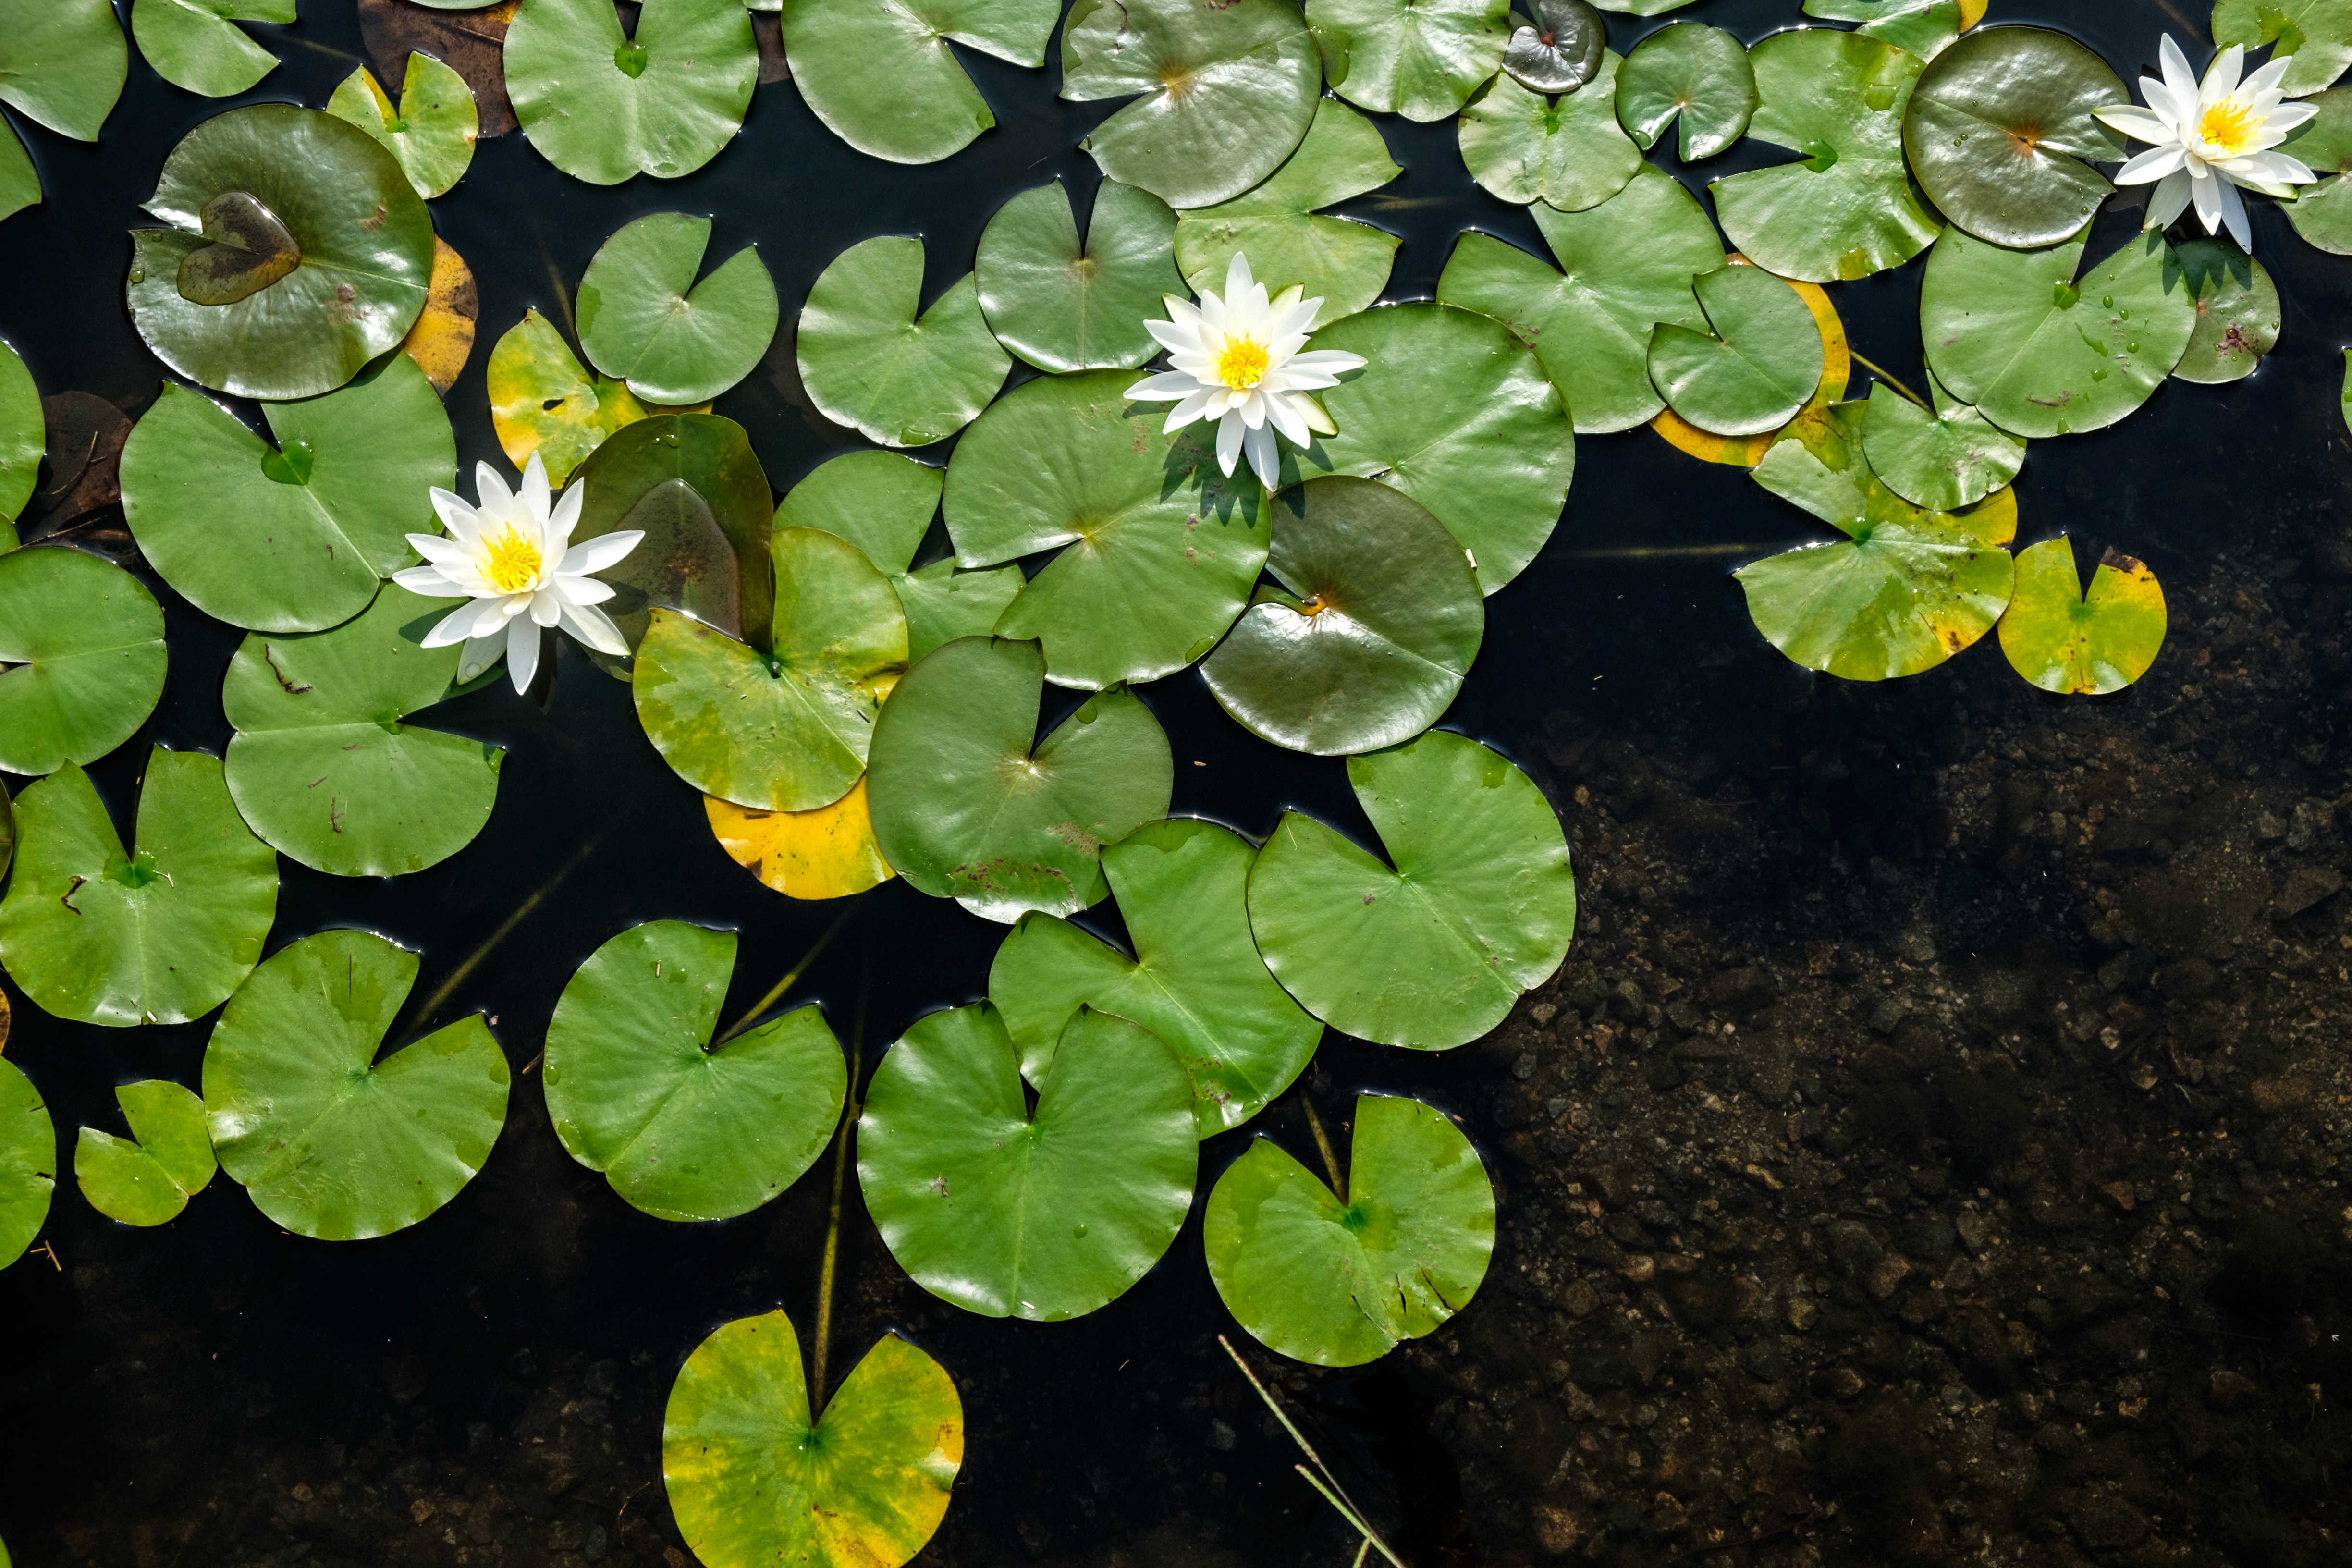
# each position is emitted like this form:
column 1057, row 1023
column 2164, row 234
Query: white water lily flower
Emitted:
column 2210, row 138
column 1237, row 361
column 512, row 555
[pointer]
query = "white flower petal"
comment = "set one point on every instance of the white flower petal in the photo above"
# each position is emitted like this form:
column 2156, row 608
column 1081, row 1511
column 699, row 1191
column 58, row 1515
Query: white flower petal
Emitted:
column 2207, row 193
column 2164, row 204
column 2222, row 76
column 429, row 581
column 455, row 627
column 1230, row 430
column 1282, row 414
column 523, row 651
column 1191, row 409
column 2179, row 79
column 2269, row 168
column 546, row 607
column 1264, row 457
column 491, row 614
column 2137, row 123
column 1165, row 386
column 479, row 655
column 460, row 519
column 2233, row 216
column 2146, row 168
column 1175, row 336
column 594, row 628
column 1237, row 275
column 535, row 494
column 565, row 515
column 2267, row 79
column 491, row 495
column 1310, row 410
column 596, row 554
column 582, row 589
column 435, row 548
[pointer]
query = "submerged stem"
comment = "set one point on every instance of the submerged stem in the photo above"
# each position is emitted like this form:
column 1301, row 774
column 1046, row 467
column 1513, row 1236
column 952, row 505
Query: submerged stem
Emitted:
column 505, row 928
column 833, row 1216
column 792, row 977
column 1333, row 1493
column 1888, row 379
column 1331, row 1161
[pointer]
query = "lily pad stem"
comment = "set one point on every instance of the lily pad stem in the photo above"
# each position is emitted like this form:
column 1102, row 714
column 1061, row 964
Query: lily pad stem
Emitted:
column 823, row 1338
column 1332, row 1493
column 505, row 928
column 1322, row 1142
column 1888, row 379
column 792, row 977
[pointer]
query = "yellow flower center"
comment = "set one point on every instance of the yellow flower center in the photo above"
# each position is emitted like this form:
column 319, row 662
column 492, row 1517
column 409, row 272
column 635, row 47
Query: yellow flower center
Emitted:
column 2229, row 127
column 1243, row 365
column 513, row 562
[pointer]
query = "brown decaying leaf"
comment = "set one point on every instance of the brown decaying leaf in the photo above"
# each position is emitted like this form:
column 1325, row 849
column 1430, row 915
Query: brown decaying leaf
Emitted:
column 84, row 434
column 768, row 32
column 471, row 43
column 443, row 336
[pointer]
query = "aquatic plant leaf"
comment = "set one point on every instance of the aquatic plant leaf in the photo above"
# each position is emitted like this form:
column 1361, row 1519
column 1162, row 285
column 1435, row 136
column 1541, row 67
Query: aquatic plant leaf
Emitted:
column 1922, row 27
column 2001, row 137
column 1377, row 622
column 365, row 242
column 2013, row 332
column 1341, row 261
column 1420, row 58
column 2065, row 637
column 1944, row 459
column 1065, row 305
column 1163, row 548
column 86, row 639
column 827, row 852
column 643, row 318
column 543, row 400
column 601, row 106
column 2324, row 143
column 944, row 602
column 470, row 38
column 786, row 729
column 1228, row 92
column 1558, row 45
column 157, row 936
column 329, row 1141
column 2237, row 315
column 753, row 1480
column 1626, row 266
column 2321, row 214
column 1813, row 422
column 323, row 765
column 23, row 433
column 194, row 43
column 1697, row 74
column 442, row 341
column 20, row 182
column 684, row 1129
column 2316, row 33
column 1640, row 7
column 431, row 131
column 1338, row 1283
column 1846, row 209
column 870, row 362
column 63, row 62
column 1757, row 365
column 1569, row 152
column 1195, row 979
column 968, row 805
column 1045, row 1215
column 147, row 1178
column 1478, row 908
column 1458, row 414
column 28, row 1163
column 300, row 545
column 880, row 74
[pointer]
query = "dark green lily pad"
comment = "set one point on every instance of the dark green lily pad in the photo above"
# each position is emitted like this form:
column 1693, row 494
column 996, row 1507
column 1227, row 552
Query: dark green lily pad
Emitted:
column 1941, row 459
column 1195, row 980
column 2237, row 315
column 63, row 62
column 882, row 78
column 1568, row 152
column 2316, row 33
column 86, row 639
column 1045, row 1215
column 158, row 936
column 2324, row 143
column 20, row 184
column 869, row 362
column 682, row 1129
column 1479, row 907
column 28, row 1163
column 643, row 318
column 1756, row 367
column 147, row 1178
column 1066, row 305
column 2002, row 136
column 601, row 106
column 944, row 602
column 1922, row 27
column 23, row 433
column 433, row 130
column 2065, row 637
column 1341, row 1283
column 968, row 804
column 331, row 1141
column 195, row 45
column 1697, row 74
column 1422, row 60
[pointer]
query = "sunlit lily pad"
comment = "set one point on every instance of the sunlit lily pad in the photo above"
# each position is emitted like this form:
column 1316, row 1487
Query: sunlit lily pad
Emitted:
column 442, row 339
column 1420, row 59
column 543, row 400
column 602, row 106
column 83, row 643
column 1811, row 423
column 1478, row 908
column 645, row 320
column 433, row 129
column 1195, row 979
column 1341, row 1283
column 880, row 74
column 2238, row 314
column 1063, row 304
column 754, row 1480
column 828, row 852
column 2316, row 33
column 147, row 1178
column 1690, row 72
column 2321, row 214
column 28, row 1163
column 1566, row 152
column 1757, row 365
column 968, row 805
column 160, row 935
column 323, row 765
column 2324, row 143
column 194, row 43
column 331, row 1141
column 1009, row 1213
column 684, row 1129
column 1943, row 458
column 1555, row 45
column 2002, row 136
column 869, row 361
column 63, row 62
column 23, row 433
column 2065, row 637
column 1922, row 27
column 1228, row 91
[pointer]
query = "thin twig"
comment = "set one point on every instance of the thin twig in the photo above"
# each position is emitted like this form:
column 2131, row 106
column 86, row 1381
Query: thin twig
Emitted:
column 1331, row 1161
column 832, row 1218
column 792, row 977
column 1888, row 379
column 522, row 912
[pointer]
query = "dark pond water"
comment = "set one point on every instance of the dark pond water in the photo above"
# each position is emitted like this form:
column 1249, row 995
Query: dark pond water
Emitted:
column 488, row 1386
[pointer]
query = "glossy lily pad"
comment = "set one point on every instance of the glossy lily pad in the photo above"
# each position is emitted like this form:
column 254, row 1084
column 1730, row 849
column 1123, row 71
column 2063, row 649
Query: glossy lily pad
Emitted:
column 2065, row 637
column 159, row 935
column 2324, row 143
column 968, row 805
column 85, row 641
column 311, row 216
column 1066, row 304
column 601, row 106
column 1475, row 906
column 2002, row 136
column 1941, row 459
column 433, row 129
column 2237, row 315
column 1697, row 74
column 880, row 74
column 870, row 362
column 682, row 1129
column 1422, row 60
column 28, row 1163
column 147, row 1178
column 1009, row 1213
column 1195, row 979
column 23, row 433
column 1339, row 1283
column 63, row 62
column 323, row 765
column 195, row 45
column 1758, row 364
column 20, row 182
column 544, row 401
column 331, row 1141
column 2321, row 214
column 1228, row 91
column 2316, row 33
column 1555, row 45
column 828, row 852
column 643, row 318
column 1568, row 152
column 1813, row 422
column 1922, row 27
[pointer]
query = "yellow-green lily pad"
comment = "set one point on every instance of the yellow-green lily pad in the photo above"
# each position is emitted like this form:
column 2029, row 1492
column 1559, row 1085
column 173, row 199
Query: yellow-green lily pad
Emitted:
column 147, row 1178
column 2065, row 637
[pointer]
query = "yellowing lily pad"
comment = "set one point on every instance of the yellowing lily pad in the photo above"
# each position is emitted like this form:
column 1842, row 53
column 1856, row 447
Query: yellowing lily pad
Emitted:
column 2063, row 638
column 1759, row 361
column 147, row 1178
column 543, row 400
column 432, row 130
column 442, row 341
column 828, row 852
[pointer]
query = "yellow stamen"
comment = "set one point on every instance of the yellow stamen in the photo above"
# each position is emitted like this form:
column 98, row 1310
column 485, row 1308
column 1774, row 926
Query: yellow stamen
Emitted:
column 513, row 562
column 2229, row 127
column 1243, row 365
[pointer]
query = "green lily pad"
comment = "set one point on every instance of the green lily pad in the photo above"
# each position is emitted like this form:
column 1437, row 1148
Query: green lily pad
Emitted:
column 1377, row 622
column 1422, row 59
column 147, row 1178
column 643, row 318
column 1690, row 72
column 682, row 1129
column 63, row 62
column 1339, row 260
column 944, row 602
column 2316, row 33
column 1063, row 304
column 87, row 639
column 1921, row 27
column 1847, row 208
column 1045, row 1215
column 195, row 45
column 1626, row 266
column 2015, row 333
column 1458, row 414
column 1228, row 91
column 1944, row 459
column 601, row 106
column 1478, row 908
column 968, row 804
column 2238, row 314
column 2064, row 638
column 2002, row 135
column 351, row 284
column 1339, row 1283
column 431, row 131
column 786, row 729
column 870, row 362
column 544, row 401
column 292, row 537
column 1568, row 151
column 20, row 188
column 2321, row 214
column 157, row 936
column 1195, row 981
column 2324, row 143
column 28, row 1163
column 322, row 764
column 1757, row 366
column 882, row 78
column 1162, row 548
column 23, row 433
column 1555, row 45
column 329, row 1141
column 754, row 1480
